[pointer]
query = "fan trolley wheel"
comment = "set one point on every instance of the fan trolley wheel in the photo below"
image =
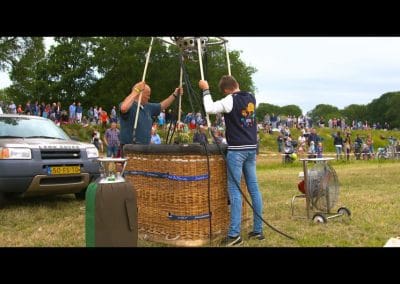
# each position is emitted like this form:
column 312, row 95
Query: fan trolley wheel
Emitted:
column 344, row 211
column 319, row 218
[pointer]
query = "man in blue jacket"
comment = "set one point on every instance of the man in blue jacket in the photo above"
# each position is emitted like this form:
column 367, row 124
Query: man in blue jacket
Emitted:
column 238, row 108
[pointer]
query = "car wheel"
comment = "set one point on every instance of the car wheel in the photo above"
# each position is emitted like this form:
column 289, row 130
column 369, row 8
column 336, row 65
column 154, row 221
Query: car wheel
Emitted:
column 80, row 195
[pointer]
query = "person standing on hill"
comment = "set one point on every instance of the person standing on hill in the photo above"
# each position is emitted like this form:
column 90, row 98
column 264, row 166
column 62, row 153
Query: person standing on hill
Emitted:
column 347, row 146
column 112, row 140
column 338, row 143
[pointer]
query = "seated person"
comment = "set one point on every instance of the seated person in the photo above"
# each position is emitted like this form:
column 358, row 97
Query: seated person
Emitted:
column 365, row 152
column 200, row 136
column 312, row 152
column 155, row 138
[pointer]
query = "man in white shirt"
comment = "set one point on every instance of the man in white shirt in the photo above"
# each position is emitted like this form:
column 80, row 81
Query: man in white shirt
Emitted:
column 13, row 108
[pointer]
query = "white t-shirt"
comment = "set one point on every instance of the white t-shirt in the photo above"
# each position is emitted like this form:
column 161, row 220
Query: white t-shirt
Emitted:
column 13, row 108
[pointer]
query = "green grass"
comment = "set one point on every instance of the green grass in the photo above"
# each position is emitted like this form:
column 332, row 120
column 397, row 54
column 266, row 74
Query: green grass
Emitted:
column 84, row 134
column 370, row 189
column 51, row 221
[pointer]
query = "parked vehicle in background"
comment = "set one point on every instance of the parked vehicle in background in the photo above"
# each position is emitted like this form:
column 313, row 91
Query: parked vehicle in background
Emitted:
column 39, row 158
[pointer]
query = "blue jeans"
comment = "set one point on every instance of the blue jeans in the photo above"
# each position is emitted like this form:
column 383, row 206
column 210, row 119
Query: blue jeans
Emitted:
column 238, row 161
column 338, row 150
column 112, row 151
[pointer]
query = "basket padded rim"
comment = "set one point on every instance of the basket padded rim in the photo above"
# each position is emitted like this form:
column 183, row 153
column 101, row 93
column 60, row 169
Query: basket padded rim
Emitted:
column 181, row 149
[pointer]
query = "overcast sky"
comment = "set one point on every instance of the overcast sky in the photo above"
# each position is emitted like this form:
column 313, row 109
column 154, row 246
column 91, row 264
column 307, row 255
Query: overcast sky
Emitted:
column 307, row 71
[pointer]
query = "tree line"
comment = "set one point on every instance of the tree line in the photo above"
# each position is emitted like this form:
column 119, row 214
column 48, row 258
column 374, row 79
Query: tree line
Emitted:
column 102, row 70
column 383, row 109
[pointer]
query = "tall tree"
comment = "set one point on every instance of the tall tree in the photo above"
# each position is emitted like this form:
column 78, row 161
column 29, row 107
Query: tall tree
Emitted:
column 4, row 97
column 291, row 110
column 102, row 70
column 120, row 63
column 10, row 50
column 71, row 70
column 392, row 114
column 385, row 109
column 264, row 108
column 355, row 112
column 325, row 111
column 26, row 74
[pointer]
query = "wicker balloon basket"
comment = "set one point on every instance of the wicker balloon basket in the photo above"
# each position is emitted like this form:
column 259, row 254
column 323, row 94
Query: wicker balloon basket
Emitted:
column 179, row 203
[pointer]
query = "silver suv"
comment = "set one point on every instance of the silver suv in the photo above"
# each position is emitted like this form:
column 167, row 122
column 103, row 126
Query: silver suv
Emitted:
column 37, row 158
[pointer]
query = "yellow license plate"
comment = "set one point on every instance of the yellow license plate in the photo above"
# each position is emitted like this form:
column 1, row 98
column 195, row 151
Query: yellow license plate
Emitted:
column 67, row 170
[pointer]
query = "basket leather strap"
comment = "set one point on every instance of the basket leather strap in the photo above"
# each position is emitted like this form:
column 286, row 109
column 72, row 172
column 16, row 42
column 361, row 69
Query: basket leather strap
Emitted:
column 167, row 176
column 193, row 217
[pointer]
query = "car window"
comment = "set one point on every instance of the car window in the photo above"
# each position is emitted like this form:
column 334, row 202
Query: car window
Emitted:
column 27, row 127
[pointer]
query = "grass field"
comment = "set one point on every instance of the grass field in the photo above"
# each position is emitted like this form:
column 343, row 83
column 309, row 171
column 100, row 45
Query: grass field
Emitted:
column 370, row 189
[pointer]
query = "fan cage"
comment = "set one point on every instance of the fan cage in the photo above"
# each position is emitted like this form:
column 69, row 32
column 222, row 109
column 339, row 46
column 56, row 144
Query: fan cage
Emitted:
column 323, row 187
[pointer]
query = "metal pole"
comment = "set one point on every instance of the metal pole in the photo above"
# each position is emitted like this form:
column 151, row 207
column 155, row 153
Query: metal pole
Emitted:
column 306, row 187
column 140, row 95
column 180, row 97
column 227, row 59
column 202, row 75
column 200, row 58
